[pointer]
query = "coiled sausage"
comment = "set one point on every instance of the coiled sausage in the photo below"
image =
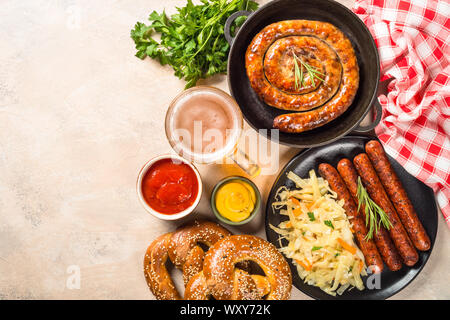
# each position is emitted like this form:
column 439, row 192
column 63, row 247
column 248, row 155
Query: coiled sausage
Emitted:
column 270, row 64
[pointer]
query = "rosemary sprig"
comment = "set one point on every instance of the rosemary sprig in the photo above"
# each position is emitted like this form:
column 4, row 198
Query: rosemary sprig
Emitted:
column 375, row 216
column 299, row 75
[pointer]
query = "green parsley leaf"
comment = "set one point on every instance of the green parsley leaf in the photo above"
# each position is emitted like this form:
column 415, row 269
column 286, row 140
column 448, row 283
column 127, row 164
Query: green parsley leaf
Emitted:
column 329, row 224
column 316, row 248
column 311, row 216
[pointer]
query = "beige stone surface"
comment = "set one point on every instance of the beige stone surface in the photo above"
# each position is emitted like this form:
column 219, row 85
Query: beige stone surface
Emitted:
column 79, row 116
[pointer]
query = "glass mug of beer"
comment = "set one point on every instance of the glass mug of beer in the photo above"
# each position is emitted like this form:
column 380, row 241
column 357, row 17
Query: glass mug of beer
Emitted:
column 203, row 124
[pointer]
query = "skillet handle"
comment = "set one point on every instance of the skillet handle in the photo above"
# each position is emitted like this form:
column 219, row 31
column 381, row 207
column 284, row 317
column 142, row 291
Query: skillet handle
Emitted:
column 229, row 22
column 370, row 127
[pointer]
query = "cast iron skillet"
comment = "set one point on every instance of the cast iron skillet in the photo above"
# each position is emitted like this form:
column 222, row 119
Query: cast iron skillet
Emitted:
column 421, row 196
column 258, row 114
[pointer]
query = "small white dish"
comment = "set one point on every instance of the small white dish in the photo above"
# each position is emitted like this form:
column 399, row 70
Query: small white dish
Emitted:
column 155, row 213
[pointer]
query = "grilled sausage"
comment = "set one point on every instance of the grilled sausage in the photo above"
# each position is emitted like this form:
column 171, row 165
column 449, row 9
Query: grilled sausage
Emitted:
column 367, row 247
column 270, row 64
column 398, row 195
column 381, row 238
column 376, row 191
column 279, row 66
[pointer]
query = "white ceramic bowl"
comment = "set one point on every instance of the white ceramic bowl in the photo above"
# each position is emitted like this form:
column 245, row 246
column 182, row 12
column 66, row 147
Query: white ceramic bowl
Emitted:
column 155, row 213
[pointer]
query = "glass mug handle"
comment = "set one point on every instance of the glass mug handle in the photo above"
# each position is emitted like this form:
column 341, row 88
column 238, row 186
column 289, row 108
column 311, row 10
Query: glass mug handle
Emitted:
column 243, row 161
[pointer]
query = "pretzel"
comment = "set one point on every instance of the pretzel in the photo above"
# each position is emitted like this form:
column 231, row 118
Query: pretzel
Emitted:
column 245, row 287
column 183, row 250
column 222, row 280
column 227, row 254
column 155, row 271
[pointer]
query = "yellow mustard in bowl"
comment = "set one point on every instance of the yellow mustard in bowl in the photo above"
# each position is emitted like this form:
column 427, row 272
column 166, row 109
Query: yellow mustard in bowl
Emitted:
column 235, row 200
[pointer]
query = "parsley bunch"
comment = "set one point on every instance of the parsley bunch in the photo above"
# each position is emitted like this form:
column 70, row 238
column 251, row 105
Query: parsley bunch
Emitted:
column 192, row 40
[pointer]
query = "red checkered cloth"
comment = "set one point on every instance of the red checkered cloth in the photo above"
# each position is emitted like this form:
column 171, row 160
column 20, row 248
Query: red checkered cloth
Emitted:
column 413, row 40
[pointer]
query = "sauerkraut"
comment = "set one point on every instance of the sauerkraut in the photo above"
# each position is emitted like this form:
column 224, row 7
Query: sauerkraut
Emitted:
column 319, row 235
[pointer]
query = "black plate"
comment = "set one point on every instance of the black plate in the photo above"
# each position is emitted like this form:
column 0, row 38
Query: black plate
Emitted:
column 421, row 196
column 258, row 114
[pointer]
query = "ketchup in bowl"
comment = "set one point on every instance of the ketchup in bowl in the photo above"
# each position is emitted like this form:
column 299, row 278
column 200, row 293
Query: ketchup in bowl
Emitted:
column 170, row 186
